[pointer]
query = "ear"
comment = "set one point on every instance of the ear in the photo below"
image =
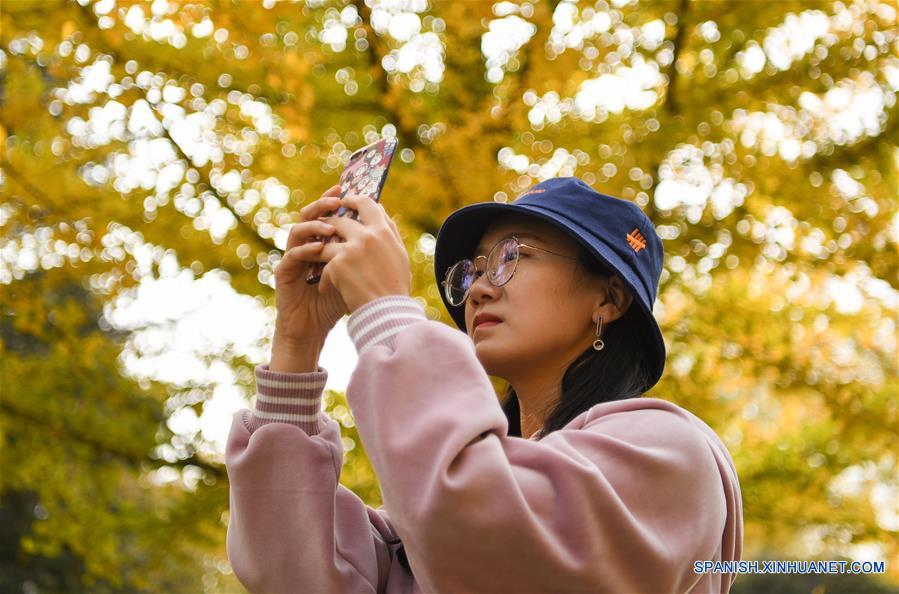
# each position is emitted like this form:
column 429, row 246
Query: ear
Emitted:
column 616, row 299
column 620, row 294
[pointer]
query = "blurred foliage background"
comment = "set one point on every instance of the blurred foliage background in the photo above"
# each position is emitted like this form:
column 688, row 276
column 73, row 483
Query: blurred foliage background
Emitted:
column 151, row 140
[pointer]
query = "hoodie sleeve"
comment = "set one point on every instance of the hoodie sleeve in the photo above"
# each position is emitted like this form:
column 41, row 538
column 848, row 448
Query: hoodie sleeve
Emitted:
column 625, row 503
column 293, row 527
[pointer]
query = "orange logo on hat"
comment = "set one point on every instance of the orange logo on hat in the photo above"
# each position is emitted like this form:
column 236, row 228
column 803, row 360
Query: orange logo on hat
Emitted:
column 535, row 191
column 636, row 240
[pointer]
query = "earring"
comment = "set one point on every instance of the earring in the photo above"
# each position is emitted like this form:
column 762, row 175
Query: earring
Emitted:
column 598, row 344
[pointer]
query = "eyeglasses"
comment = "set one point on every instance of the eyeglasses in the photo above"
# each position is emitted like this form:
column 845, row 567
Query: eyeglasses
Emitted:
column 501, row 264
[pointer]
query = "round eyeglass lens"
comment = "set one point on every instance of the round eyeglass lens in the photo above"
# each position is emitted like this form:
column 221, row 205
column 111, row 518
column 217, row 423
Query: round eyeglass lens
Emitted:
column 502, row 262
column 500, row 267
column 460, row 279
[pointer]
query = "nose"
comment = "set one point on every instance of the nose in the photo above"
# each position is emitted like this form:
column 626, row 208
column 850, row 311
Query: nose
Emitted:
column 481, row 290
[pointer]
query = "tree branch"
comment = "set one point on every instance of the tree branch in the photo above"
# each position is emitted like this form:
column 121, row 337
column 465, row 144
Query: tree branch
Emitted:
column 31, row 189
column 134, row 459
column 262, row 242
column 671, row 105
column 105, row 36
column 407, row 135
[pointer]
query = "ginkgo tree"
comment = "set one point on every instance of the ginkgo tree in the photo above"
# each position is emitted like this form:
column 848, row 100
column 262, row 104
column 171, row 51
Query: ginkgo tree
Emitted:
column 759, row 137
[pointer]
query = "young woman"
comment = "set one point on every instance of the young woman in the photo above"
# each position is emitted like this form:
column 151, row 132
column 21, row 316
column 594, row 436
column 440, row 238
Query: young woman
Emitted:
column 611, row 490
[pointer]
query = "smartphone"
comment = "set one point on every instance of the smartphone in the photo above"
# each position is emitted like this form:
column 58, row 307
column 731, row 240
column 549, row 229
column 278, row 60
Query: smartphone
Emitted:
column 365, row 174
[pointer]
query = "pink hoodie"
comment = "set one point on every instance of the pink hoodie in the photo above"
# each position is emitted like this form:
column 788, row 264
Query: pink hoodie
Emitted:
column 622, row 499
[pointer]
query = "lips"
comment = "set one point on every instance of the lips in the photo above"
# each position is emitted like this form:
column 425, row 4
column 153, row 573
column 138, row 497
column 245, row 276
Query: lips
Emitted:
column 485, row 318
column 483, row 327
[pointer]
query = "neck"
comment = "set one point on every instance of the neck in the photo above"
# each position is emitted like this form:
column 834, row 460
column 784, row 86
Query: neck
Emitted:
column 536, row 398
column 539, row 389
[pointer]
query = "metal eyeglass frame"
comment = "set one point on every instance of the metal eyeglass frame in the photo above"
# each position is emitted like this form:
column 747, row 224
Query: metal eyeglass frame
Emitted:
column 445, row 282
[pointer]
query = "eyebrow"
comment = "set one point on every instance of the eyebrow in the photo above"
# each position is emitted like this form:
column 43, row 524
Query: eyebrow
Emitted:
column 518, row 235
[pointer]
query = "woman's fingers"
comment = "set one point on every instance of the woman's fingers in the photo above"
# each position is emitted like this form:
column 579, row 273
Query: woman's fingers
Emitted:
column 308, row 231
column 297, row 258
column 392, row 223
column 362, row 204
column 321, row 207
column 324, row 281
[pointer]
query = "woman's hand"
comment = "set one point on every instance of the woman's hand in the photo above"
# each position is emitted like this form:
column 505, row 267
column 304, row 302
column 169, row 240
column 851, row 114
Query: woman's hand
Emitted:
column 306, row 313
column 371, row 261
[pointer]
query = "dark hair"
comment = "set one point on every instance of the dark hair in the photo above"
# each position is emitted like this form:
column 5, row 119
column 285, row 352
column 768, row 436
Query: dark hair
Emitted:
column 621, row 370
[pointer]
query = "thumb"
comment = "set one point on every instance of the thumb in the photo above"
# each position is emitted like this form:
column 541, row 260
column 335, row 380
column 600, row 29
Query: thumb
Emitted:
column 297, row 259
column 325, row 283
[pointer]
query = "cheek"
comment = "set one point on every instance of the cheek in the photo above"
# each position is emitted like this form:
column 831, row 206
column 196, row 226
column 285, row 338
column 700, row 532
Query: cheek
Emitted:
column 537, row 312
column 550, row 311
column 546, row 296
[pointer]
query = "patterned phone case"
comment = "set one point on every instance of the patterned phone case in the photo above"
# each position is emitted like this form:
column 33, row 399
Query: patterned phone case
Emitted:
column 365, row 174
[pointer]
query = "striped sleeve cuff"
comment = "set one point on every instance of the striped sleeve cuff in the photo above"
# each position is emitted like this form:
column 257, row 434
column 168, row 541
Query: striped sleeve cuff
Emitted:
column 379, row 320
column 293, row 398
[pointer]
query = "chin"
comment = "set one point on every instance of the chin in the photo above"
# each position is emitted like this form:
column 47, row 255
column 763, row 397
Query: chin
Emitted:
column 493, row 363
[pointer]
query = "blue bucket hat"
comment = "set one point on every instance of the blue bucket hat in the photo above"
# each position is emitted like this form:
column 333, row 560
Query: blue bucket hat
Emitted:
column 614, row 231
